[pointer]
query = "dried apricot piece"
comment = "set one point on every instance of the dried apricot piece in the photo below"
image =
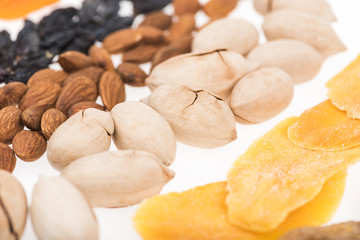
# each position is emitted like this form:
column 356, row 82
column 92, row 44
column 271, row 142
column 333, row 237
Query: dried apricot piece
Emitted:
column 344, row 89
column 200, row 214
column 274, row 177
column 325, row 127
column 10, row 9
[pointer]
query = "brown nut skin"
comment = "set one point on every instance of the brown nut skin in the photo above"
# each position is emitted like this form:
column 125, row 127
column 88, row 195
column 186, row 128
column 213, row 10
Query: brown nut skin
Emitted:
column 13, row 207
column 72, row 61
column 261, row 95
column 10, row 123
column 132, row 74
column 44, row 93
column 47, row 74
column 77, row 90
column 157, row 19
column 50, row 121
column 29, row 145
column 11, row 93
column 101, row 58
column 111, row 89
column 31, row 117
column 7, row 158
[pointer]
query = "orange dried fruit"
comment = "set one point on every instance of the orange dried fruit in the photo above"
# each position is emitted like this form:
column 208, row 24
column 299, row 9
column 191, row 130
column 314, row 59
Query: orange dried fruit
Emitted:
column 274, row 177
column 344, row 89
column 200, row 214
column 10, row 9
column 325, row 127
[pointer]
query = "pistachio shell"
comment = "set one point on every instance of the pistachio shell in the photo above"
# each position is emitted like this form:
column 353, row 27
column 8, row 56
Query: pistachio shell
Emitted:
column 302, row 64
column 216, row 71
column 261, row 95
column 305, row 27
column 60, row 212
column 224, row 34
column 87, row 132
column 197, row 118
column 118, row 179
column 13, row 207
column 139, row 127
column 319, row 8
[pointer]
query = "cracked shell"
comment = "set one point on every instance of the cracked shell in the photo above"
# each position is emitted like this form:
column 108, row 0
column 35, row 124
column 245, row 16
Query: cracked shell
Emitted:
column 197, row 118
column 118, row 179
column 216, row 71
column 13, row 207
column 87, row 132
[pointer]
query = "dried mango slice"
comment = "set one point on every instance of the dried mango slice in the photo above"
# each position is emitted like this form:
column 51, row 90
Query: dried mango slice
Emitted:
column 325, row 127
column 274, row 177
column 10, row 9
column 200, row 214
column 344, row 89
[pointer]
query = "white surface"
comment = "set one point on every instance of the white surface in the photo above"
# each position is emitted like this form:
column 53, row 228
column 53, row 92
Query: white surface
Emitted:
column 196, row 167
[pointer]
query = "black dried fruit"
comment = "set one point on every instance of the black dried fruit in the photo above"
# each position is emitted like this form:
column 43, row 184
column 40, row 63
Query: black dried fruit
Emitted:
column 145, row 6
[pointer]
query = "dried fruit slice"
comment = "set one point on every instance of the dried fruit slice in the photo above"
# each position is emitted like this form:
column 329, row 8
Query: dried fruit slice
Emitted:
column 203, row 214
column 344, row 89
column 20, row 8
column 275, row 177
column 324, row 127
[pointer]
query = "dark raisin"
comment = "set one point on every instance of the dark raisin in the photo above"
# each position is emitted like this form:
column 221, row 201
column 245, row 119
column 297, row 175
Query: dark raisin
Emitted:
column 145, row 6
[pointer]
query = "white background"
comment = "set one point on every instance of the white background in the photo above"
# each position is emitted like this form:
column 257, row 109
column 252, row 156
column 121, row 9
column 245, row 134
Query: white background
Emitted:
column 194, row 166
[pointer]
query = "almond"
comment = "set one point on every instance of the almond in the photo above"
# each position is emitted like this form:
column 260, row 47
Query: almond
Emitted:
column 72, row 61
column 186, row 6
column 141, row 54
column 219, row 8
column 12, row 93
column 10, row 123
column 122, row 40
column 50, row 121
column 77, row 107
column 132, row 74
column 31, row 117
column 44, row 93
column 157, row 19
column 77, row 90
column 7, row 158
column 111, row 89
column 92, row 72
column 47, row 74
column 184, row 26
column 29, row 145
column 101, row 58
column 152, row 35
column 179, row 46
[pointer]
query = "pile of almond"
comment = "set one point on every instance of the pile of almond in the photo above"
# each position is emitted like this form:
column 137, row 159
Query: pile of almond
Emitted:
column 50, row 97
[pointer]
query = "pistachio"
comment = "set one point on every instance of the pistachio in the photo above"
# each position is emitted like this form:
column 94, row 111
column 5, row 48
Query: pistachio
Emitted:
column 60, row 212
column 118, row 179
column 139, row 127
column 13, row 207
column 302, row 64
column 85, row 133
column 305, row 27
column 261, row 95
column 320, row 8
column 197, row 118
column 216, row 71
column 224, row 33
